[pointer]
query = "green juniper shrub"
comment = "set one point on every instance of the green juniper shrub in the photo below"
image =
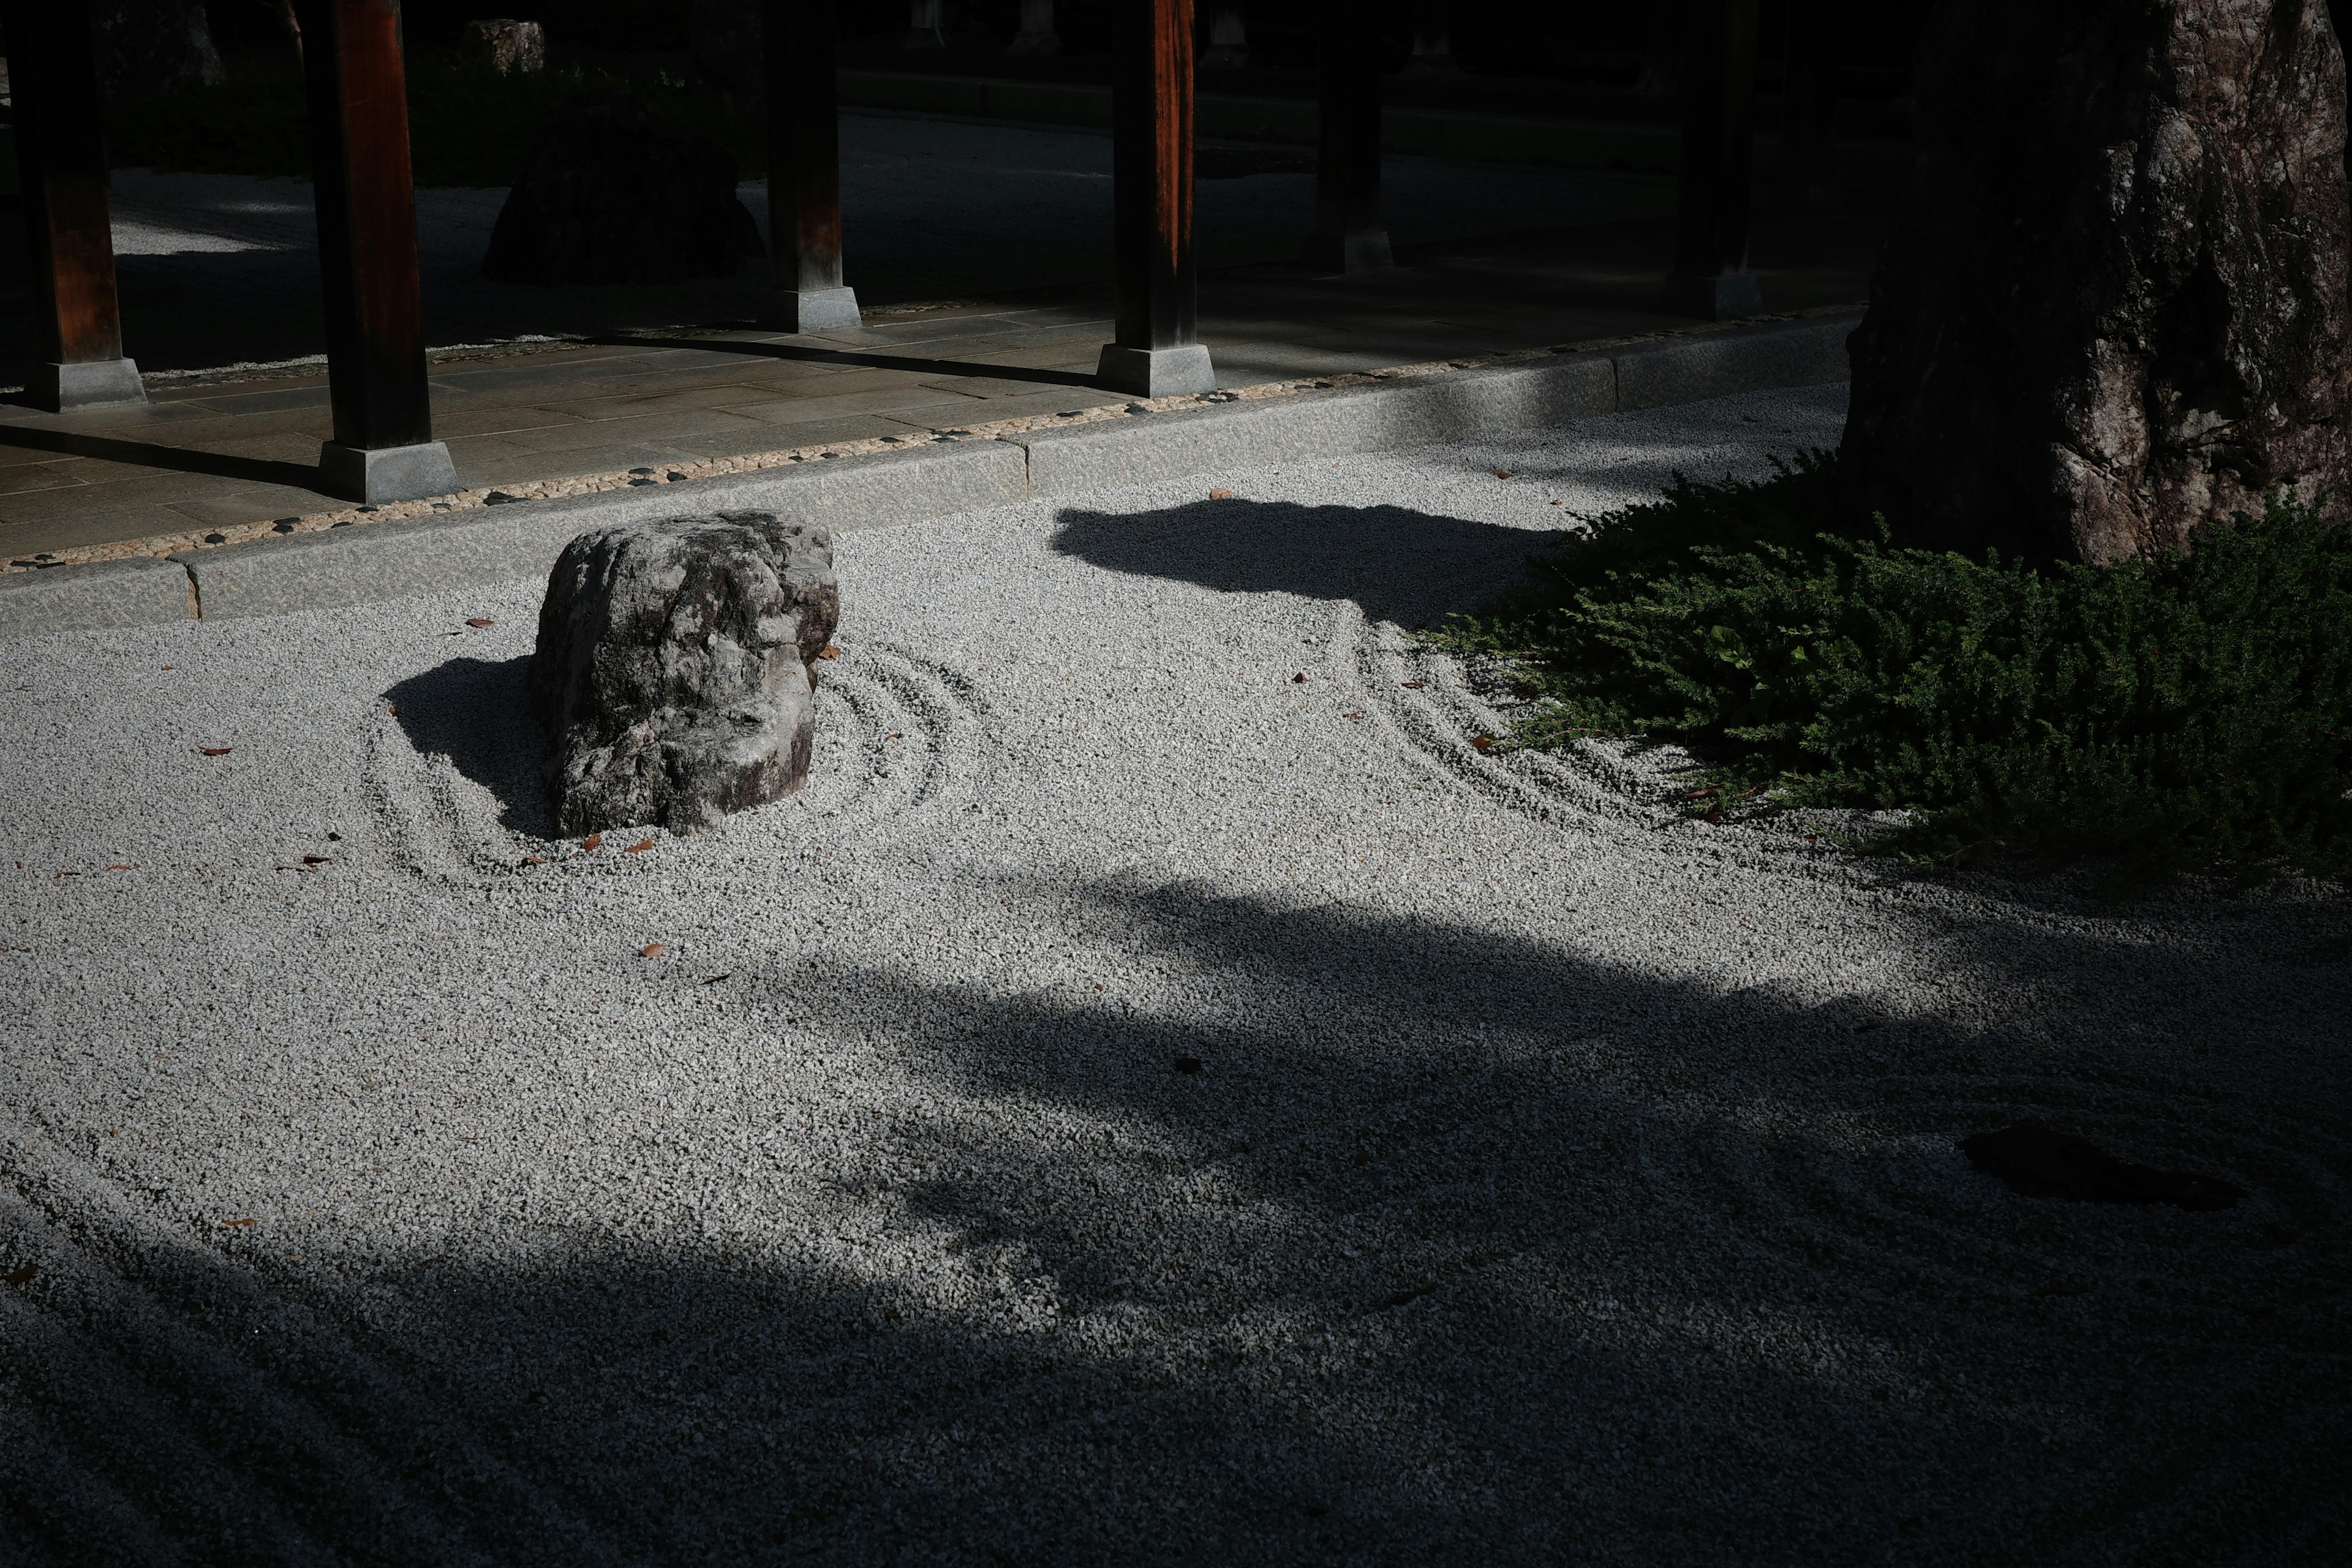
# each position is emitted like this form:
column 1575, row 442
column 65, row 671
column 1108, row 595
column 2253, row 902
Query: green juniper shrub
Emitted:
column 2193, row 713
column 467, row 125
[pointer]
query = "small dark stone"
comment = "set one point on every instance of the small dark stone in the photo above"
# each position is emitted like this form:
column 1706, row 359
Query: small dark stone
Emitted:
column 674, row 475
column 674, row 668
column 1188, row 1064
column 641, row 481
column 498, row 497
column 341, row 523
column 2037, row 1162
column 611, row 194
column 215, row 539
column 281, row 526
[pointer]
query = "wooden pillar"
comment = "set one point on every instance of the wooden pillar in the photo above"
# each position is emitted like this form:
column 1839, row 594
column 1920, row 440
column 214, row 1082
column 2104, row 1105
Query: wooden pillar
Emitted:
column 1348, row 236
column 1157, row 354
column 384, row 449
column 926, row 25
column 1228, row 36
column 1036, row 35
column 1432, row 39
column 61, row 160
column 1710, row 278
column 1808, row 92
column 804, row 168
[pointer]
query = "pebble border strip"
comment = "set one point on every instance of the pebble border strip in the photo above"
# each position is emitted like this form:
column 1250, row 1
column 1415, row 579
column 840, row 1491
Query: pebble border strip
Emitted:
column 200, row 538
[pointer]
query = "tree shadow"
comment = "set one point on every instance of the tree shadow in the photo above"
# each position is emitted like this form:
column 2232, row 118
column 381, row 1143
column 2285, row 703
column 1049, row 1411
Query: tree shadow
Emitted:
column 476, row 713
column 1452, row 1251
column 1397, row 564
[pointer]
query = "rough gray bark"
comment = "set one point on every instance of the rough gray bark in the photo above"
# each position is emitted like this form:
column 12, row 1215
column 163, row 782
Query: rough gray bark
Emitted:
column 613, row 195
column 2115, row 311
column 675, row 668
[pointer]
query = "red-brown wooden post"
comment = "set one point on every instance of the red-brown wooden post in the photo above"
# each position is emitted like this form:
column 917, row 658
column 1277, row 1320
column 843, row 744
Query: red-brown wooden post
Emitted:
column 1718, row 153
column 61, row 160
column 383, row 447
column 1348, row 236
column 804, row 168
column 1158, row 352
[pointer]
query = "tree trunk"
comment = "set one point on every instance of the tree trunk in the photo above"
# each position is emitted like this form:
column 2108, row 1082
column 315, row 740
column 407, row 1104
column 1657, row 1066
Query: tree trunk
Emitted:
column 2115, row 312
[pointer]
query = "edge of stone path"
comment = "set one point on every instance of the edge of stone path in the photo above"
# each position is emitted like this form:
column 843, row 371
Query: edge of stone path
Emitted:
column 403, row 558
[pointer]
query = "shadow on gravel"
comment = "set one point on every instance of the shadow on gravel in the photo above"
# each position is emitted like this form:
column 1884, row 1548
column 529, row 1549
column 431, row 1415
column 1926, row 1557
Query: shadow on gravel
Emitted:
column 1409, row 567
column 1460, row 1248
column 474, row 712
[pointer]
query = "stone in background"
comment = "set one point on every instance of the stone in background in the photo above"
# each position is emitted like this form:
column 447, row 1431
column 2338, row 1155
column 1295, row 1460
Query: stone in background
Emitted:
column 611, row 194
column 506, row 46
column 150, row 47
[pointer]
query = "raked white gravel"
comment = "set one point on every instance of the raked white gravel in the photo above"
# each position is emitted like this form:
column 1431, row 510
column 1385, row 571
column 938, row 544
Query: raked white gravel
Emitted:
column 1560, row 1180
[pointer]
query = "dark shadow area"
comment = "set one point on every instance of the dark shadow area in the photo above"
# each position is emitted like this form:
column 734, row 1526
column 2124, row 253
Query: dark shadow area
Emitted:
column 149, row 454
column 846, row 357
column 1397, row 564
column 1480, row 1259
column 475, row 712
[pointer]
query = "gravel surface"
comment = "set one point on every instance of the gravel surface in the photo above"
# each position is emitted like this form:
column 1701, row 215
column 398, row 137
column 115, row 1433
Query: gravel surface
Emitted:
column 1159, row 1095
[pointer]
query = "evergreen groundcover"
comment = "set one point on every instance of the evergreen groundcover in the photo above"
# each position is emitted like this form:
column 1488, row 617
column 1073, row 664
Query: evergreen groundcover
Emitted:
column 2188, row 714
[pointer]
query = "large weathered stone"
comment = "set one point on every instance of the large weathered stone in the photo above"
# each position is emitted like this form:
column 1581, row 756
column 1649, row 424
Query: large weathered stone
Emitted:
column 2115, row 310
column 613, row 195
column 676, row 666
column 150, row 47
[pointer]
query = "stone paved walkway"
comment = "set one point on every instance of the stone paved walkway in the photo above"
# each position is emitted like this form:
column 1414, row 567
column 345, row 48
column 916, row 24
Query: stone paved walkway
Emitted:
column 215, row 266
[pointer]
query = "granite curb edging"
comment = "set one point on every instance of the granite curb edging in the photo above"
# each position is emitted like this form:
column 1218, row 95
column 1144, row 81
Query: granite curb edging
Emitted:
column 332, row 563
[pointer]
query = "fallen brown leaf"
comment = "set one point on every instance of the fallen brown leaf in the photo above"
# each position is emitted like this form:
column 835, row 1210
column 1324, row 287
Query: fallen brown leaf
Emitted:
column 1221, row 495
column 1416, row 685
column 214, row 751
column 717, row 978
column 120, row 868
column 21, row 1277
column 1502, row 473
column 534, row 859
column 481, row 622
column 1483, row 742
column 1299, row 678
column 236, row 1222
column 1351, row 715
column 639, row 848
column 171, row 667
column 593, row 840
column 316, row 859
column 653, row 950
column 828, row 651
column 394, row 712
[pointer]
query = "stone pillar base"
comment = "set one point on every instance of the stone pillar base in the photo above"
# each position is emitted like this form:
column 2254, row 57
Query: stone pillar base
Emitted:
column 94, row 383
column 1156, row 373
column 373, row 476
column 1722, row 299
column 1361, row 252
column 812, row 309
